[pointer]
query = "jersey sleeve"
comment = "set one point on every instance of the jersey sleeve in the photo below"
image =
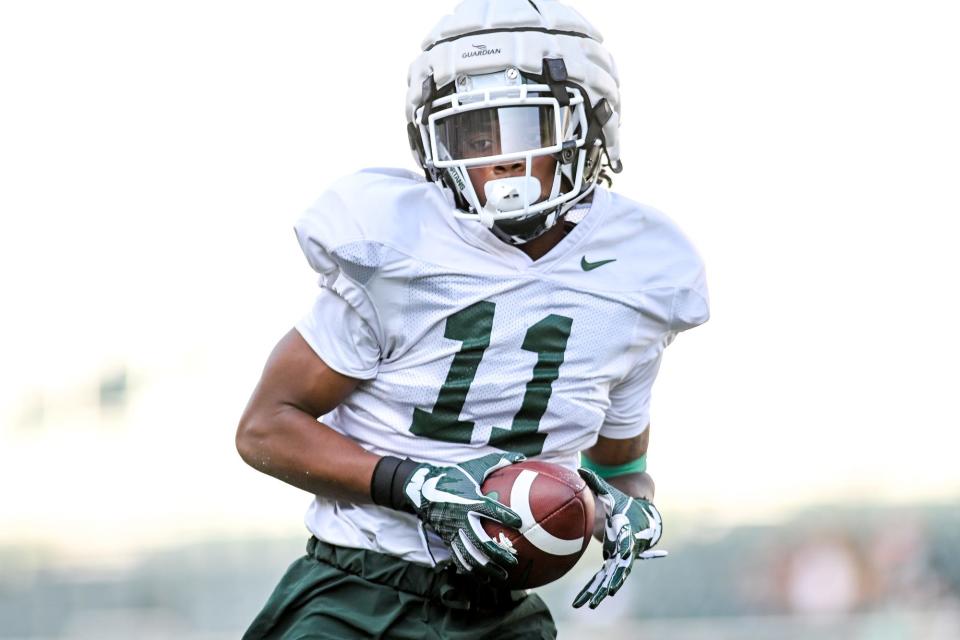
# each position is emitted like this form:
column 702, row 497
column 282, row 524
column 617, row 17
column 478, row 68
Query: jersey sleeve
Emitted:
column 667, row 284
column 629, row 412
column 339, row 238
column 340, row 336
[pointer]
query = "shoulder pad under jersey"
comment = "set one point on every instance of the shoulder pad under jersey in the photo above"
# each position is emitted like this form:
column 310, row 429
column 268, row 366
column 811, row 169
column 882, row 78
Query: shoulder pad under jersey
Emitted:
column 361, row 212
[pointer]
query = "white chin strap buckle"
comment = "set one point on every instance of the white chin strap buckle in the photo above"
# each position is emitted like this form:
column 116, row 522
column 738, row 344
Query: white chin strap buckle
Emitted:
column 512, row 194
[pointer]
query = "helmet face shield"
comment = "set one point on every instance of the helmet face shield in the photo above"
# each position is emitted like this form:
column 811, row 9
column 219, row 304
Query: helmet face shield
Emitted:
column 493, row 132
column 500, row 119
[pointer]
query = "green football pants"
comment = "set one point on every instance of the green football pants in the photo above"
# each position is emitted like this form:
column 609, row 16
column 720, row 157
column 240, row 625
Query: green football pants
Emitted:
column 336, row 592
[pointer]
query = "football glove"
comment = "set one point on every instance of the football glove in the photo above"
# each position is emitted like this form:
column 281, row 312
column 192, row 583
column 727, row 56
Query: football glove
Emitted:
column 631, row 527
column 449, row 501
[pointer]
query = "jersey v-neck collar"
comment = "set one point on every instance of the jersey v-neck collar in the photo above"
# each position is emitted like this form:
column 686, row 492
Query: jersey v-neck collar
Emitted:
column 479, row 236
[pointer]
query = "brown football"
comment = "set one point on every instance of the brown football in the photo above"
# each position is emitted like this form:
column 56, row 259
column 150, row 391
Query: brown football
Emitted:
column 557, row 512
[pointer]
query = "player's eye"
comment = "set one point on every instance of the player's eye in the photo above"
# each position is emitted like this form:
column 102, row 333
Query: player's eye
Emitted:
column 479, row 146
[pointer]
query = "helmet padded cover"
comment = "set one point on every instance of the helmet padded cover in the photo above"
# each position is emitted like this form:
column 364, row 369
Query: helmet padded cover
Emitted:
column 477, row 15
column 449, row 52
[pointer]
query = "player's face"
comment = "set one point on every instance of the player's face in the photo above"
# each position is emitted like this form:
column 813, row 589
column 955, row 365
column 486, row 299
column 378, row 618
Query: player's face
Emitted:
column 490, row 132
column 543, row 170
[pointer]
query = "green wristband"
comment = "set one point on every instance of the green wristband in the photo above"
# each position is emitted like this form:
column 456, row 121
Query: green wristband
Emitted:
column 611, row 471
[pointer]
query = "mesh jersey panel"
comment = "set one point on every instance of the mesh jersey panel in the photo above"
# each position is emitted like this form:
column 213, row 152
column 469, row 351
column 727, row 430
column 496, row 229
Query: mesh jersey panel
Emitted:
column 479, row 349
column 359, row 261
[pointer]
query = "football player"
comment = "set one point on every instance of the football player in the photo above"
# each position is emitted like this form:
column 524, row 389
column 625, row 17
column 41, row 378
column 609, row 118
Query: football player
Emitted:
column 502, row 305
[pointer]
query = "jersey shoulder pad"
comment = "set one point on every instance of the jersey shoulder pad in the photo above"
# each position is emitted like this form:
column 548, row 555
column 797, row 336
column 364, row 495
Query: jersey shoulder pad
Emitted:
column 361, row 212
column 662, row 262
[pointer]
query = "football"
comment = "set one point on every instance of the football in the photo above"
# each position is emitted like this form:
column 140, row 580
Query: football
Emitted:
column 557, row 512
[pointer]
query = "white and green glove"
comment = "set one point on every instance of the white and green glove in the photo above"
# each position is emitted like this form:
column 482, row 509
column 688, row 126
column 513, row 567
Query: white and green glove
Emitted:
column 631, row 527
column 448, row 500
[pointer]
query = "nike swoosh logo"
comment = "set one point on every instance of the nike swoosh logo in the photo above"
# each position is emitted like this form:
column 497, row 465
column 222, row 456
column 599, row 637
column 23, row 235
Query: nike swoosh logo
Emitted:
column 431, row 493
column 590, row 266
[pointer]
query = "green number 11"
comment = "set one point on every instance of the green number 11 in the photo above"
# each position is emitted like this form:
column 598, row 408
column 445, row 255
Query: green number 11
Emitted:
column 472, row 328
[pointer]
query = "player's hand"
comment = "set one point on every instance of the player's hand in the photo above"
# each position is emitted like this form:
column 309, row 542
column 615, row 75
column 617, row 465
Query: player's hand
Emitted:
column 449, row 501
column 632, row 526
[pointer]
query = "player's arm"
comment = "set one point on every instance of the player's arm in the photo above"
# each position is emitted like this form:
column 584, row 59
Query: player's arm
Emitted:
column 279, row 433
column 615, row 470
column 622, row 455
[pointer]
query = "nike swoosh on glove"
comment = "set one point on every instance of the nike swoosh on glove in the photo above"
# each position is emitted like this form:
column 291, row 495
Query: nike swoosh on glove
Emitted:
column 449, row 501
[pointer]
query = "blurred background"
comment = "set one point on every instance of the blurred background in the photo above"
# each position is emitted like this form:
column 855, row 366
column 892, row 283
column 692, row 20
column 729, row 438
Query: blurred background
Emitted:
column 153, row 157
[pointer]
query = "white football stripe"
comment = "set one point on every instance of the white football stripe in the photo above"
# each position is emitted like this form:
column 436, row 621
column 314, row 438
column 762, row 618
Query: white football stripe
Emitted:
column 537, row 535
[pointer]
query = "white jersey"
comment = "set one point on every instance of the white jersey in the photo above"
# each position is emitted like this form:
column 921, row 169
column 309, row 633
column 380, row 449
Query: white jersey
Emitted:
column 466, row 346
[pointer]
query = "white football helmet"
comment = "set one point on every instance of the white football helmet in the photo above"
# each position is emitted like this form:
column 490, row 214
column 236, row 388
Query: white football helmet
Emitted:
column 502, row 82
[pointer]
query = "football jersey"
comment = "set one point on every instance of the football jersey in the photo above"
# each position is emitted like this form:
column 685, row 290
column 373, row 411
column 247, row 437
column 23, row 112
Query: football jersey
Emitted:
column 466, row 346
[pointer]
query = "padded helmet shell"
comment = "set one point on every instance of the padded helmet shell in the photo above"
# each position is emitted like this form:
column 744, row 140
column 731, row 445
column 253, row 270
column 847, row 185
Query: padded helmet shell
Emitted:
column 484, row 36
